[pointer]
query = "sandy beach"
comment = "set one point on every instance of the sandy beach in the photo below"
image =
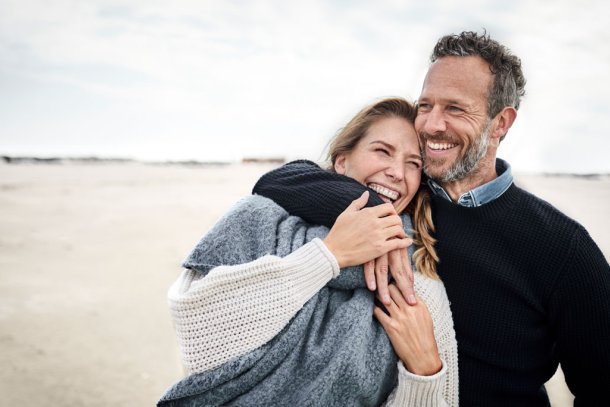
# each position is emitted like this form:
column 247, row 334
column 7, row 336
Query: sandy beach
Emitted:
column 88, row 251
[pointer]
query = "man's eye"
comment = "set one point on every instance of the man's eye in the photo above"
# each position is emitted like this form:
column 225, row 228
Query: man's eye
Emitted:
column 425, row 107
column 455, row 109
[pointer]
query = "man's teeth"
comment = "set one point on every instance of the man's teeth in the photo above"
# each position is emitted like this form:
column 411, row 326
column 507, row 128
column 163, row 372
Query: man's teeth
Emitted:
column 440, row 146
column 393, row 195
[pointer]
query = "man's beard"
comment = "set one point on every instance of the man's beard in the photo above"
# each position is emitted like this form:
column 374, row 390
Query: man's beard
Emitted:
column 465, row 165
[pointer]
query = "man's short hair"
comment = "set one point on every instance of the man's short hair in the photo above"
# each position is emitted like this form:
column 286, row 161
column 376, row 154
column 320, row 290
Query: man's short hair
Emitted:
column 508, row 83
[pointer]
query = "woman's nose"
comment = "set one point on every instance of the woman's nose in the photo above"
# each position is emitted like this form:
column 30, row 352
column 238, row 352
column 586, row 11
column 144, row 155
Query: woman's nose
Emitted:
column 396, row 170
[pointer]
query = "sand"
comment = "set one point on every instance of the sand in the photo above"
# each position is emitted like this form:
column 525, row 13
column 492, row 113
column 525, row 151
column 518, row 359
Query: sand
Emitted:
column 87, row 252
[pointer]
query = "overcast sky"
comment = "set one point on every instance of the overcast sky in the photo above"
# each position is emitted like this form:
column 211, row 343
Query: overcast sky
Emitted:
column 221, row 80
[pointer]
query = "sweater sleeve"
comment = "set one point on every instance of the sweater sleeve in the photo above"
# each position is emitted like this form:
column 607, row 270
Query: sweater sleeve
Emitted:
column 236, row 309
column 580, row 318
column 440, row 389
column 315, row 195
column 413, row 390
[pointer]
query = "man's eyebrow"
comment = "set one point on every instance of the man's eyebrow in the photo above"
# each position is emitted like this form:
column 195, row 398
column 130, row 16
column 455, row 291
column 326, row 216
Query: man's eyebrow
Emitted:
column 455, row 102
column 452, row 101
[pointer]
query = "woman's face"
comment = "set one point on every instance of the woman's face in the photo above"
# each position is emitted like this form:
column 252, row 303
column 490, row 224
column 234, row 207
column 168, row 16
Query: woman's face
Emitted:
column 387, row 160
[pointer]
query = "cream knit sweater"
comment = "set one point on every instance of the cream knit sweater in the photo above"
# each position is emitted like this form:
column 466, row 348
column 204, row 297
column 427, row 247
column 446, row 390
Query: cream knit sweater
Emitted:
column 236, row 309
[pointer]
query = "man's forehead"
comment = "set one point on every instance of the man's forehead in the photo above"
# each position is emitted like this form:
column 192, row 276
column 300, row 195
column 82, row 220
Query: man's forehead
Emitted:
column 457, row 79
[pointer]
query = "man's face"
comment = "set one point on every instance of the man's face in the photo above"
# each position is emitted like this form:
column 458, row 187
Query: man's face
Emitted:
column 452, row 121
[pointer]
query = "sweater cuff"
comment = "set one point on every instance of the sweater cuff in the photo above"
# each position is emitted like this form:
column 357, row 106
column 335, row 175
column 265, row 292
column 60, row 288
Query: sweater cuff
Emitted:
column 327, row 253
column 414, row 389
column 308, row 269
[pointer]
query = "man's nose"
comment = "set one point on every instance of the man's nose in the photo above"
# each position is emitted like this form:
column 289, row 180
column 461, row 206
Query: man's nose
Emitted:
column 434, row 121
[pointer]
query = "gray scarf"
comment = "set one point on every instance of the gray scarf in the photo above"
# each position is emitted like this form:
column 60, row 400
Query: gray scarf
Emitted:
column 332, row 353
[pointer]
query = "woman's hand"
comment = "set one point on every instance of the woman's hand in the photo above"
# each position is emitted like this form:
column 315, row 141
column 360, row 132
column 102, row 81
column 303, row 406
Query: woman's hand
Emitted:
column 376, row 275
column 360, row 235
column 411, row 332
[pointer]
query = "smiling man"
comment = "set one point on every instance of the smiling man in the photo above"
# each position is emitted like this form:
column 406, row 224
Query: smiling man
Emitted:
column 528, row 287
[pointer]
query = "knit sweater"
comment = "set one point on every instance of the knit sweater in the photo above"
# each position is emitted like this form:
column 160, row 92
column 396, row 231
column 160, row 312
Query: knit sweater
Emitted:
column 528, row 288
column 231, row 311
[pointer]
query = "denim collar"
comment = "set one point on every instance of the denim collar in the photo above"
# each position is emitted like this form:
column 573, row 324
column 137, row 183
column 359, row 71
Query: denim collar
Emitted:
column 484, row 193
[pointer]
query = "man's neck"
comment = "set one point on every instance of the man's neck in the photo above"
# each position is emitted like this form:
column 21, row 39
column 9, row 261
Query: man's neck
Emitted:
column 482, row 175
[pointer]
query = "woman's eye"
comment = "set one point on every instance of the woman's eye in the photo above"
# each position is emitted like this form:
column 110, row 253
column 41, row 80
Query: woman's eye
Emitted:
column 383, row 151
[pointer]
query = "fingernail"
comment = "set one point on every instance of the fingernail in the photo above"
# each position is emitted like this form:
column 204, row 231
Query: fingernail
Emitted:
column 412, row 299
column 386, row 299
column 372, row 286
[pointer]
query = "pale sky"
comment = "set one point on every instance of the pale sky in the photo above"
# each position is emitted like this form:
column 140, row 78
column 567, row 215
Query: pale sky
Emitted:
column 221, row 80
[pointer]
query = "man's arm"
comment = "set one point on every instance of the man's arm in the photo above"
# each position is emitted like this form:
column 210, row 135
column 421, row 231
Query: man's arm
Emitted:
column 580, row 317
column 315, row 195
column 319, row 196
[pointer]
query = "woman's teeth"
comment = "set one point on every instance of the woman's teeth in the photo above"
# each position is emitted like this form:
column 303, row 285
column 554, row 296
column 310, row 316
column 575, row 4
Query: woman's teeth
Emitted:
column 388, row 193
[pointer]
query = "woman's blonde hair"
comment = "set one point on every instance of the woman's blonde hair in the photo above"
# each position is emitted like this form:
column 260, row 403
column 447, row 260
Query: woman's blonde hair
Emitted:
column 425, row 257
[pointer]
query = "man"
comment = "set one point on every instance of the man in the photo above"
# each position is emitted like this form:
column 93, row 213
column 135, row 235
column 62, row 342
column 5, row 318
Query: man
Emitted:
column 529, row 288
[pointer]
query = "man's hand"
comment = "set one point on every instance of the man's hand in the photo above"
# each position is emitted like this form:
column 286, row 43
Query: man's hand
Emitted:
column 360, row 235
column 376, row 275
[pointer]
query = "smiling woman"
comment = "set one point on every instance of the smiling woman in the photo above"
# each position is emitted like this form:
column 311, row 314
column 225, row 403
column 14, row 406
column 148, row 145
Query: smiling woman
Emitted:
column 387, row 160
column 286, row 302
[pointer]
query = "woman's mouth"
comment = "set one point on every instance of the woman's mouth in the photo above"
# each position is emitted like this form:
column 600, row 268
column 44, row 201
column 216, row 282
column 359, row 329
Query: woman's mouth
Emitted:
column 385, row 193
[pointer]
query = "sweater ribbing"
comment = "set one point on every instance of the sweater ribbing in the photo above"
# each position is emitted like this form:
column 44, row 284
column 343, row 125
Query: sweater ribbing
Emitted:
column 526, row 285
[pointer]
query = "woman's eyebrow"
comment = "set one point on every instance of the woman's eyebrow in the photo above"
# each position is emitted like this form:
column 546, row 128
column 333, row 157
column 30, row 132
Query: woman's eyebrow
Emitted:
column 387, row 145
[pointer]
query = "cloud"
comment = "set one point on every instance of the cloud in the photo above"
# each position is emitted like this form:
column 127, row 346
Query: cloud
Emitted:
column 185, row 78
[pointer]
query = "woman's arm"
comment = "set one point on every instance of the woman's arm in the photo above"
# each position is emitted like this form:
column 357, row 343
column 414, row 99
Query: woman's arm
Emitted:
column 246, row 305
column 236, row 309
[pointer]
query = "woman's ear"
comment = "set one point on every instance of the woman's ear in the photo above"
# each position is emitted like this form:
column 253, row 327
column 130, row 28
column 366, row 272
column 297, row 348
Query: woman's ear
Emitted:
column 340, row 164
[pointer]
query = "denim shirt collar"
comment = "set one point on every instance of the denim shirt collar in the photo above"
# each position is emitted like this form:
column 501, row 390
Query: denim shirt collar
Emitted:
column 484, row 193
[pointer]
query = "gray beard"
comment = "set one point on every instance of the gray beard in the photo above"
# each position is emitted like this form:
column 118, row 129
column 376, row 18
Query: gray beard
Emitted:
column 469, row 163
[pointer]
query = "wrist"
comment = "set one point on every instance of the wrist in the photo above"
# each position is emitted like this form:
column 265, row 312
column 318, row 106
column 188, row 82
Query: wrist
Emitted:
column 334, row 251
column 425, row 366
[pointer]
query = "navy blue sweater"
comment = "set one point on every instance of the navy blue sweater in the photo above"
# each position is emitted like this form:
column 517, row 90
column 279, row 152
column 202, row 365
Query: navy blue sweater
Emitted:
column 528, row 287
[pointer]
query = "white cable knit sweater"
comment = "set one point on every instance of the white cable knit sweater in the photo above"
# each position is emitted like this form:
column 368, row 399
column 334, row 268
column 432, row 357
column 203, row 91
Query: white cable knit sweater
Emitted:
column 236, row 309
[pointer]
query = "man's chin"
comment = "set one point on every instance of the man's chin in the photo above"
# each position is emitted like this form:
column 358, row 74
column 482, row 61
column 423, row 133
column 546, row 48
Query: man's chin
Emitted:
column 436, row 172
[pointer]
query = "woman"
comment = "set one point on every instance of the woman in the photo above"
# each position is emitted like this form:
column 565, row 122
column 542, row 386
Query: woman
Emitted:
column 295, row 326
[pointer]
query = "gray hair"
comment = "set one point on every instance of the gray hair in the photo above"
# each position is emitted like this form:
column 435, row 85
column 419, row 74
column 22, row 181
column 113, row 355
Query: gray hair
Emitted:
column 508, row 86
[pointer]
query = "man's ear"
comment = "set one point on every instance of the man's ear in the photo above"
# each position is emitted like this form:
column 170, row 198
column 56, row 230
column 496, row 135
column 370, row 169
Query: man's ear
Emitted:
column 340, row 164
column 505, row 120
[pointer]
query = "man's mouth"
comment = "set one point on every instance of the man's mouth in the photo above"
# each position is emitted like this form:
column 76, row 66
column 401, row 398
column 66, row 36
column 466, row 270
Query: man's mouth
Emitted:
column 386, row 194
column 439, row 146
